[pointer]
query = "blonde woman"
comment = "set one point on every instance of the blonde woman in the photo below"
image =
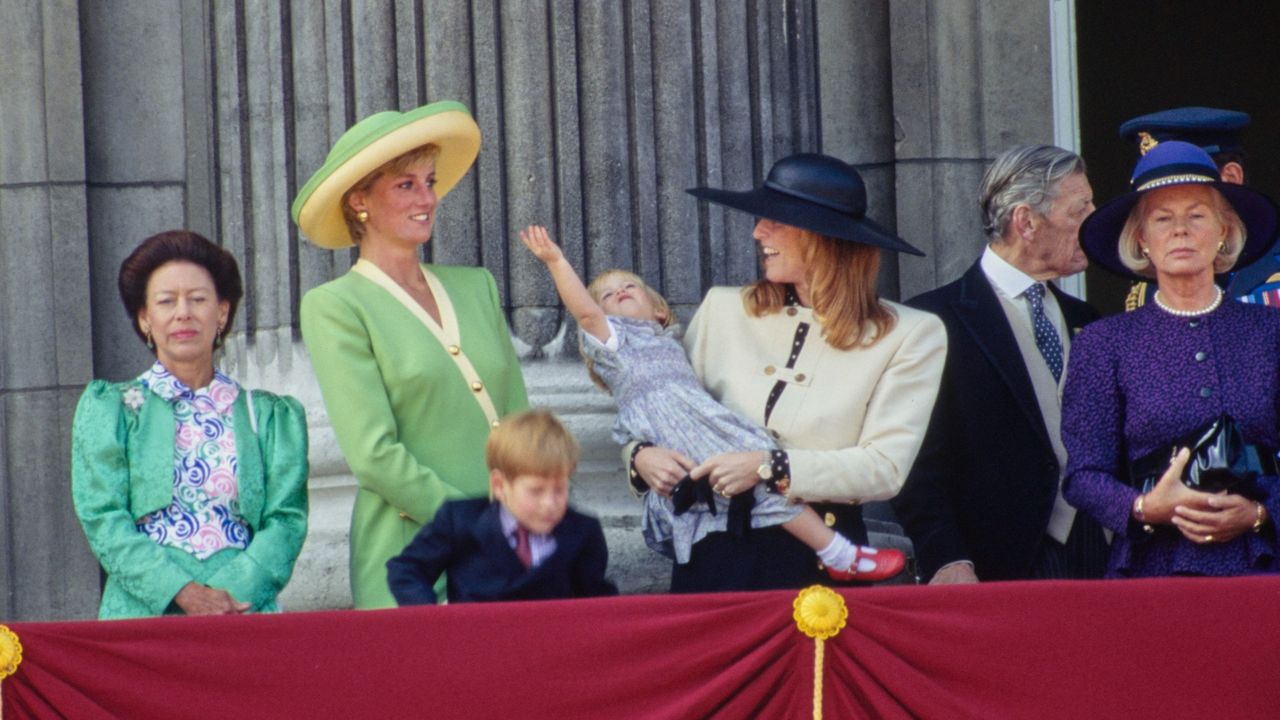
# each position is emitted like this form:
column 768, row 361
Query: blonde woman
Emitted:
column 415, row 361
column 1141, row 384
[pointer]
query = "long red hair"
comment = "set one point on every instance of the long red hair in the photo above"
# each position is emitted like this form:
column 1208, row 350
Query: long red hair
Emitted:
column 842, row 287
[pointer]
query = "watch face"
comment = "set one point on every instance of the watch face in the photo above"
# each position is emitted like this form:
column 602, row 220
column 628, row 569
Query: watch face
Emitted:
column 765, row 471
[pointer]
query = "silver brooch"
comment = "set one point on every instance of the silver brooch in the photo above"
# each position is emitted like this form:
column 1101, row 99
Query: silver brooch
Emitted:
column 133, row 398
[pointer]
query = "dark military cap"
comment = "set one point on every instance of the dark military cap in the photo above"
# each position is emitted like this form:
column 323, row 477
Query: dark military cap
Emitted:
column 1214, row 130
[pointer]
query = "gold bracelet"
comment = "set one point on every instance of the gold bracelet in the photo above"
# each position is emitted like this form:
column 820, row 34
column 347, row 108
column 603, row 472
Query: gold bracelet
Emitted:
column 1262, row 516
column 1137, row 513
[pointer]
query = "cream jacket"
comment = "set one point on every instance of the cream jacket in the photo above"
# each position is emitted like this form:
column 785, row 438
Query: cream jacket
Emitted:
column 851, row 421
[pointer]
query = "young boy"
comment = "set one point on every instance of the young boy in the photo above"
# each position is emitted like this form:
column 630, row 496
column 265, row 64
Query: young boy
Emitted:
column 525, row 543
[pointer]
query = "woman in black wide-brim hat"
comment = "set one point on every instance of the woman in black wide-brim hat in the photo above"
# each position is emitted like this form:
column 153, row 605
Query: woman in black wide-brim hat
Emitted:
column 843, row 379
column 1142, row 386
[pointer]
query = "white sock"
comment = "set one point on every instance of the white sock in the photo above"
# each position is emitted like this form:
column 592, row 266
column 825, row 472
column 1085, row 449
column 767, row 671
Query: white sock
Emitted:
column 841, row 553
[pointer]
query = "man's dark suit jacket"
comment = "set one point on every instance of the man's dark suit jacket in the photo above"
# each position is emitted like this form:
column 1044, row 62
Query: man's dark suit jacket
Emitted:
column 984, row 484
column 465, row 540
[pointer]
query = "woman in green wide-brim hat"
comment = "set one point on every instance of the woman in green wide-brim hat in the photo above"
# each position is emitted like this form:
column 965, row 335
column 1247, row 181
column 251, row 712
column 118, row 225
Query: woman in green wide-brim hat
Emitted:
column 414, row 360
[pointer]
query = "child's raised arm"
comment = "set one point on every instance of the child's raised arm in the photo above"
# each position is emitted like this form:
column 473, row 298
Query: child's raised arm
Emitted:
column 573, row 293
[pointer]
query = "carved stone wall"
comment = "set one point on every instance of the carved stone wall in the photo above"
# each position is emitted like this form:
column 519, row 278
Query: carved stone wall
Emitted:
column 123, row 119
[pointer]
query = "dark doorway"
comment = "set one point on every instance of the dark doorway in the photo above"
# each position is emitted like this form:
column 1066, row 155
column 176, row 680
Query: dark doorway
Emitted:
column 1140, row 57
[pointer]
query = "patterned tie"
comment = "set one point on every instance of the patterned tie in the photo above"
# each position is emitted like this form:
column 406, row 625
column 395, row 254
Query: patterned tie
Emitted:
column 523, row 550
column 1046, row 337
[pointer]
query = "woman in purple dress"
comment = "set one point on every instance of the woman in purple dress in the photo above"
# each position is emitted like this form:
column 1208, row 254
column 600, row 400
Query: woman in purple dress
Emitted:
column 1139, row 383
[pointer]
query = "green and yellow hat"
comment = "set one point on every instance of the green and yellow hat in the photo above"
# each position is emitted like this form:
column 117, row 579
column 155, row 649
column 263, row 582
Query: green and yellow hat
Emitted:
column 375, row 140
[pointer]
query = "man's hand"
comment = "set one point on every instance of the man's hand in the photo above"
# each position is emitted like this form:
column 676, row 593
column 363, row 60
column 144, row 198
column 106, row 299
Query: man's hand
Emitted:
column 958, row 573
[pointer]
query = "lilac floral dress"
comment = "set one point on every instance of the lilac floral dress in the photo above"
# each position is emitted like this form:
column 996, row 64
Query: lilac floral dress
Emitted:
column 1139, row 381
column 661, row 401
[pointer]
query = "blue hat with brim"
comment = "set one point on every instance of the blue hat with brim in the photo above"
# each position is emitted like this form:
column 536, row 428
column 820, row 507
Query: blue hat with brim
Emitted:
column 1211, row 129
column 813, row 192
column 1176, row 163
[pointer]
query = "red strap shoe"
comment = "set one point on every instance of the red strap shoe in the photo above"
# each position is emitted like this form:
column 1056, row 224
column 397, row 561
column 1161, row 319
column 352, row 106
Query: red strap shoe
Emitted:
column 889, row 562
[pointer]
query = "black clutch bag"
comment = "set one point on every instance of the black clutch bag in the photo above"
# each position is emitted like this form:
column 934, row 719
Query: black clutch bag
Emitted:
column 1220, row 460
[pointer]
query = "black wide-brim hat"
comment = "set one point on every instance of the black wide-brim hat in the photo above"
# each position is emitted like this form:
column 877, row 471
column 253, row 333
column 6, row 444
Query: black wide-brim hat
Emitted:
column 1175, row 162
column 813, row 192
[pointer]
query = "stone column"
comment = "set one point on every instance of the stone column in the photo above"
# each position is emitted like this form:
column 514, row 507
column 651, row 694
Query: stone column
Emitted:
column 46, row 569
column 970, row 79
column 855, row 90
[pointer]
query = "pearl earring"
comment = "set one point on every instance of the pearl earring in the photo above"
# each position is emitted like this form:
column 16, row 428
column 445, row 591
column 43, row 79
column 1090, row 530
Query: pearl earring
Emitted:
column 363, row 216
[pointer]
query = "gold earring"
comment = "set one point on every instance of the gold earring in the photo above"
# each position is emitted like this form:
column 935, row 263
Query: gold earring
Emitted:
column 363, row 216
column 1222, row 247
column 1146, row 252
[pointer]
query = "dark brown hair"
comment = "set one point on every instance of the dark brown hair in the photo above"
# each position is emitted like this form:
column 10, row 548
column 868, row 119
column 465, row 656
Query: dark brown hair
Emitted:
column 178, row 246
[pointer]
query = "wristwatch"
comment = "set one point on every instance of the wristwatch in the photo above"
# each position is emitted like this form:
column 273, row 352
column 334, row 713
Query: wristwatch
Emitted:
column 765, row 471
column 777, row 486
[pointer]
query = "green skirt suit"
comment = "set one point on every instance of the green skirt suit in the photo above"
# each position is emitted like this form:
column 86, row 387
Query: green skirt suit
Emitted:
column 411, row 402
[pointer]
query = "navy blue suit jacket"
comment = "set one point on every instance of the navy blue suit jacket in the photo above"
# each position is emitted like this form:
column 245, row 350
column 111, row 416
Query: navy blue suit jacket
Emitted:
column 465, row 540
column 984, row 483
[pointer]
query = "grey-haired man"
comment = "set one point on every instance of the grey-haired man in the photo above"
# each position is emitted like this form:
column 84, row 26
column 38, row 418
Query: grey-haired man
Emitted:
column 983, row 500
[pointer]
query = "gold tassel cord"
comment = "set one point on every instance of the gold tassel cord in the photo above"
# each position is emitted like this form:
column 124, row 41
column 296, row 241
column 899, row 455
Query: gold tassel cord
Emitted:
column 818, row 646
column 820, row 613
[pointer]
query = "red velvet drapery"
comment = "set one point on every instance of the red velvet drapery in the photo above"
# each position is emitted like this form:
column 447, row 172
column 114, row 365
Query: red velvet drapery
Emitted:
column 1151, row 648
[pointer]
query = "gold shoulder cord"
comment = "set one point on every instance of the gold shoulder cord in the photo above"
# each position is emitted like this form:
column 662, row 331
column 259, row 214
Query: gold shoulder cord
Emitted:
column 1136, row 297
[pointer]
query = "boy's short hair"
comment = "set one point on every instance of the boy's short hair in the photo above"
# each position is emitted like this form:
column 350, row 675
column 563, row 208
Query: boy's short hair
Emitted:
column 532, row 442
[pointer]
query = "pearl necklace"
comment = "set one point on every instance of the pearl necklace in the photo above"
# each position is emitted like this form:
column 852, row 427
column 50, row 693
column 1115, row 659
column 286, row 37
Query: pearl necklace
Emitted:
column 1217, row 300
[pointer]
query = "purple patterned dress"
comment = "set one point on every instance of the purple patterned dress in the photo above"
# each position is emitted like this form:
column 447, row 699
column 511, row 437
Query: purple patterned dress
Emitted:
column 660, row 400
column 1136, row 383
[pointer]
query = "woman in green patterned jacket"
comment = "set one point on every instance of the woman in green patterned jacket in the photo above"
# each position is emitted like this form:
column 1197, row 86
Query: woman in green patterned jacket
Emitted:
column 191, row 490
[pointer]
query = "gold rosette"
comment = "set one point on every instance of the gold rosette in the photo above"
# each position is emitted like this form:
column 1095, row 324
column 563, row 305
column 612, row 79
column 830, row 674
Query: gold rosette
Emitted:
column 10, row 652
column 820, row 613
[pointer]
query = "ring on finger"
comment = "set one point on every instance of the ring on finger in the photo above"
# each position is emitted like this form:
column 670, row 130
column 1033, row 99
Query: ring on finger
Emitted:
column 1208, row 538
